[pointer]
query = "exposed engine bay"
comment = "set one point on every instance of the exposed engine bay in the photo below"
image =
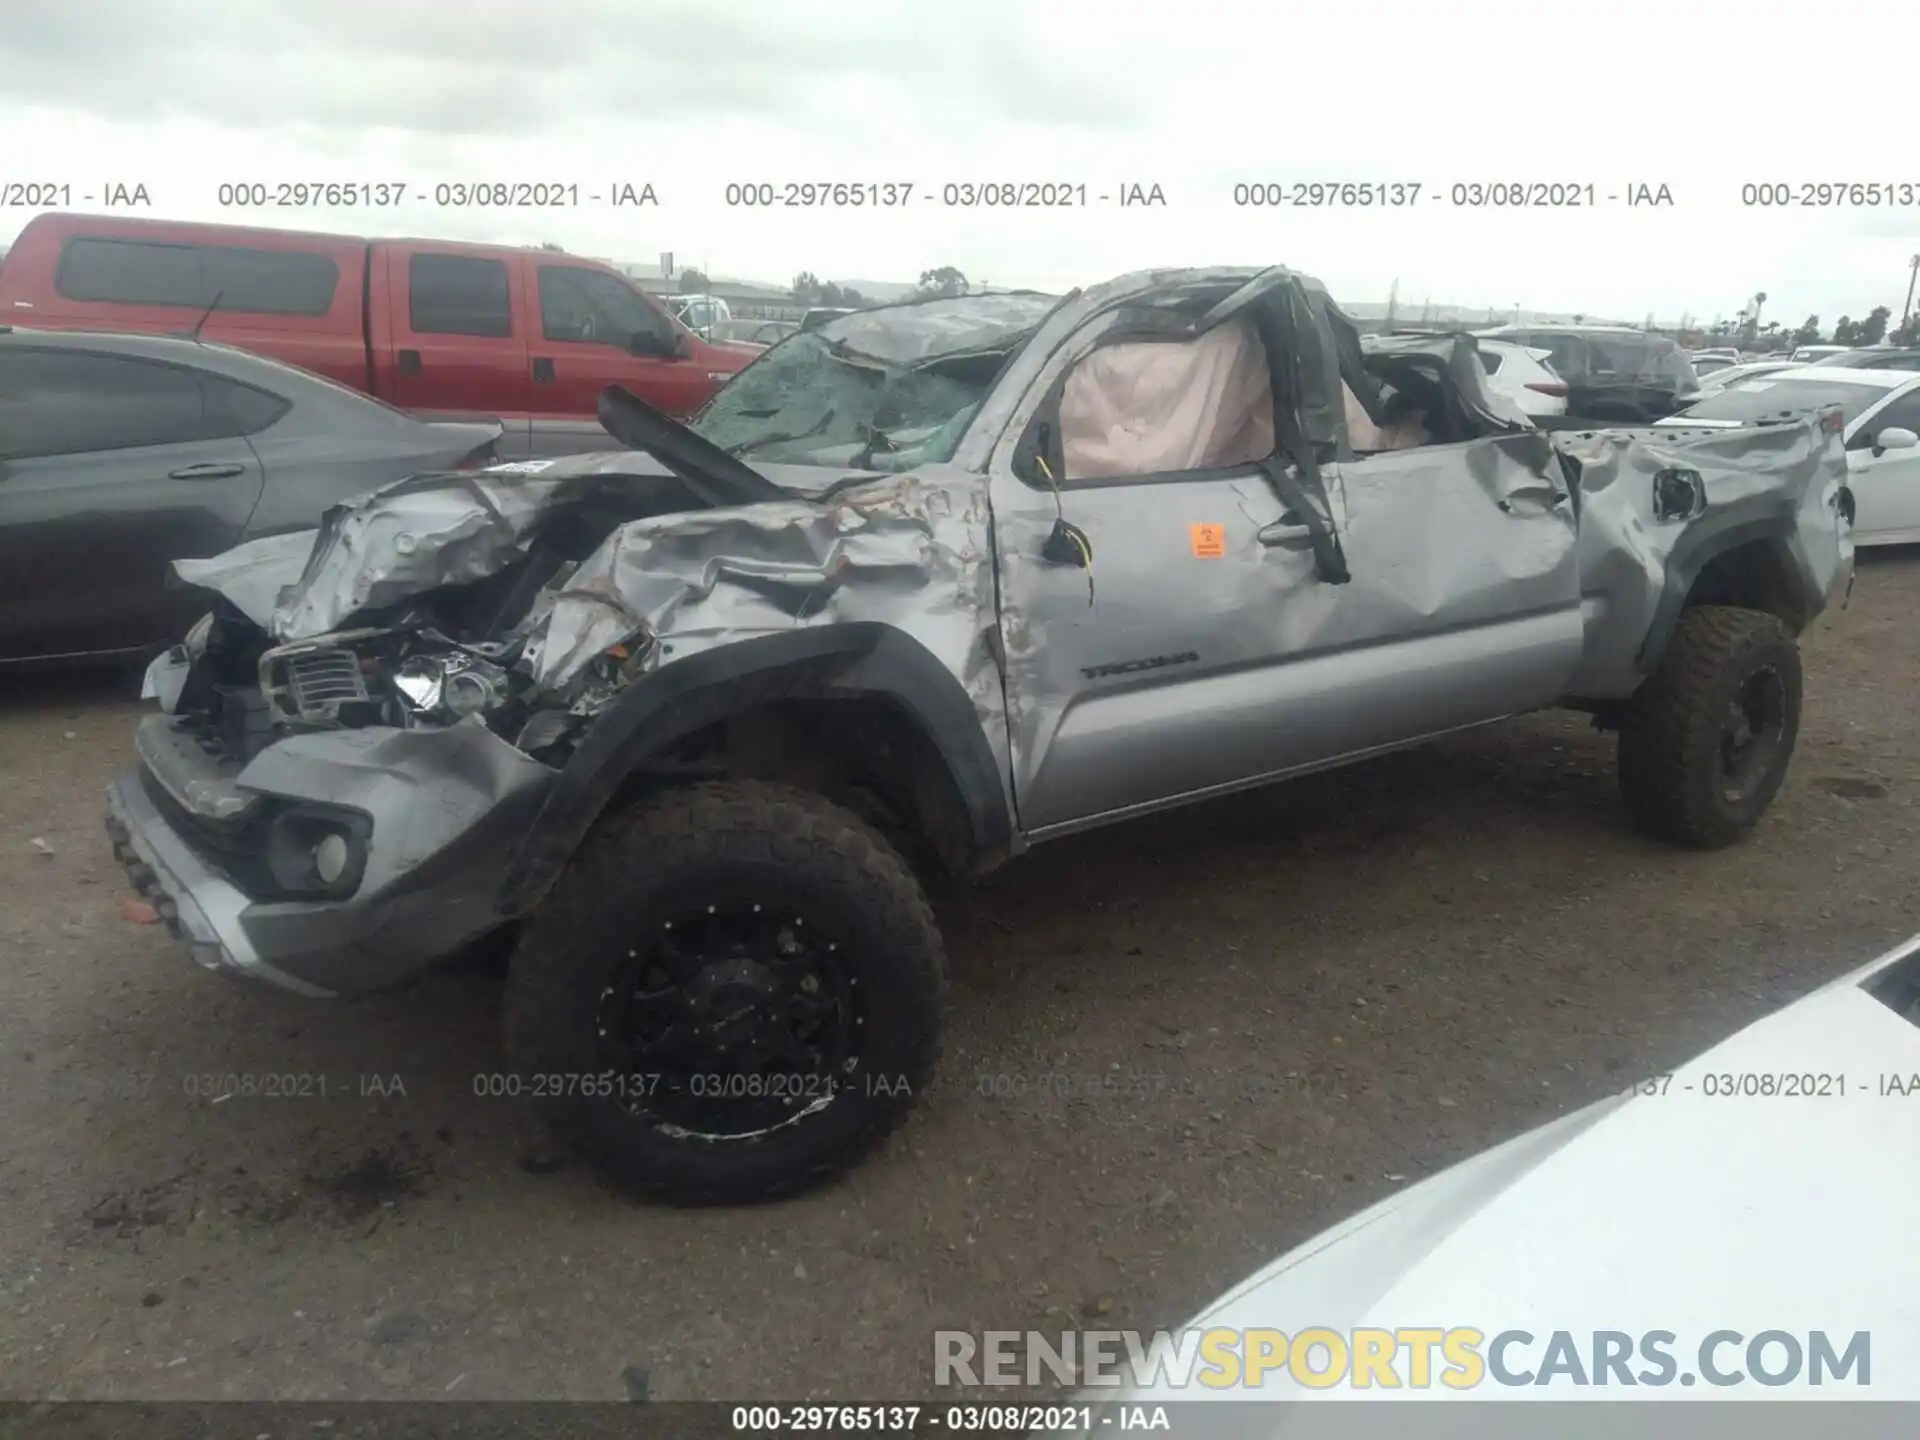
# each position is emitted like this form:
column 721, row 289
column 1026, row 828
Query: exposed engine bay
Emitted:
column 459, row 654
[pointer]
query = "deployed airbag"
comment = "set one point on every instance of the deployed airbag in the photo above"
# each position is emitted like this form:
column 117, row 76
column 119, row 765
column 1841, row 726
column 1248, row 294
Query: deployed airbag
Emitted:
column 1154, row 406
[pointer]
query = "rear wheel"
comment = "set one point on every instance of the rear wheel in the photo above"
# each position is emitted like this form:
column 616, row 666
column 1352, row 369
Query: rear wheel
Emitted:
column 733, row 992
column 1705, row 743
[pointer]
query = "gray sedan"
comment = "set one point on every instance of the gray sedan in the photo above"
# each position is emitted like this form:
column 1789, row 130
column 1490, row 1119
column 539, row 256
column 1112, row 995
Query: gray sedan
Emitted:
column 122, row 453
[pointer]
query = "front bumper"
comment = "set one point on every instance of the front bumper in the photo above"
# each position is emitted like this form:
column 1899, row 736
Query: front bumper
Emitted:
column 445, row 810
column 201, row 907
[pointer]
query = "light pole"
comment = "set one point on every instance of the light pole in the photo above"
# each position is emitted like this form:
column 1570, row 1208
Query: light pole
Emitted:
column 1913, row 271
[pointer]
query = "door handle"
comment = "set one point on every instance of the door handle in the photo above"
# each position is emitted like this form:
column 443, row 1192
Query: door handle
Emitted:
column 1284, row 530
column 1545, row 496
column 543, row 370
column 408, row 362
column 207, row 470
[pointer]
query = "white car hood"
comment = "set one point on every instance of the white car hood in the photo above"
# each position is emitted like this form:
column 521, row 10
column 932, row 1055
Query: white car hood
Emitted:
column 1685, row 1212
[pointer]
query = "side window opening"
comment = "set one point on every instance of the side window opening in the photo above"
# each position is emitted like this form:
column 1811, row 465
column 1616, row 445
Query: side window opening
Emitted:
column 1567, row 355
column 1902, row 414
column 458, row 295
column 141, row 272
column 1421, row 405
column 72, row 402
column 243, row 409
column 583, row 306
column 1136, row 408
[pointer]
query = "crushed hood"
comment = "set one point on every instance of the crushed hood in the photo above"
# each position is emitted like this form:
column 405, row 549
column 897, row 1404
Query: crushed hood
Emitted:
column 439, row 528
column 910, row 548
column 698, row 525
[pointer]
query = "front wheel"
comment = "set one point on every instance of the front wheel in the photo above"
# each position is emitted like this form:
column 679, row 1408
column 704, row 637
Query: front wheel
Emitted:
column 1705, row 742
column 733, row 992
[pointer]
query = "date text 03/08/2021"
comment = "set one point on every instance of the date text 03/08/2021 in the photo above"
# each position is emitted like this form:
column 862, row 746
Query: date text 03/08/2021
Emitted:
column 222, row 1085
column 967, row 1419
column 469, row 194
column 1782, row 1085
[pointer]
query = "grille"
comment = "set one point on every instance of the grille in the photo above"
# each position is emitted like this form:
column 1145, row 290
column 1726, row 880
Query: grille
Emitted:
column 312, row 685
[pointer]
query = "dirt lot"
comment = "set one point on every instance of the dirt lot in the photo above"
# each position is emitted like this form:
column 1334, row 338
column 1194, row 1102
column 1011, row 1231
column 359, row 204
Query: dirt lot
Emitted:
column 1303, row 998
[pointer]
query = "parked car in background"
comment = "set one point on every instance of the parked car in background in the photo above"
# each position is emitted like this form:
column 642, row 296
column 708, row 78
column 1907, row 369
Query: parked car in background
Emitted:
column 1746, row 370
column 1889, row 357
column 446, row 330
column 1881, row 411
column 1705, row 365
column 1614, row 373
column 1751, row 1147
column 772, row 332
column 701, row 313
column 120, row 454
column 1524, row 376
column 1808, row 354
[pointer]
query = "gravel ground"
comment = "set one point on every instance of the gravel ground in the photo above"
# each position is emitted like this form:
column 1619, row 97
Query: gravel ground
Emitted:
column 1299, row 1000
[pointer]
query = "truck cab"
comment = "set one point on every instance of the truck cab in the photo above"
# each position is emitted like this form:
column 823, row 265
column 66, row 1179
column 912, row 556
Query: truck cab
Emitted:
column 447, row 330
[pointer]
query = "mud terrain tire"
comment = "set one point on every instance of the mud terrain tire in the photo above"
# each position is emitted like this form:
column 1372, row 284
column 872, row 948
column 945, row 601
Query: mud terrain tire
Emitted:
column 1705, row 742
column 778, row 865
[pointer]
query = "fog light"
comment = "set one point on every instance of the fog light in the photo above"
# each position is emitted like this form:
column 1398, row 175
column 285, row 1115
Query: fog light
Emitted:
column 330, row 859
column 317, row 850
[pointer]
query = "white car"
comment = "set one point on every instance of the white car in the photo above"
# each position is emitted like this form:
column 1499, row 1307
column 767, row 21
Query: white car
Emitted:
column 1882, row 411
column 1807, row 354
column 1522, row 374
column 1742, row 1214
column 1746, row 370
column 702, row 314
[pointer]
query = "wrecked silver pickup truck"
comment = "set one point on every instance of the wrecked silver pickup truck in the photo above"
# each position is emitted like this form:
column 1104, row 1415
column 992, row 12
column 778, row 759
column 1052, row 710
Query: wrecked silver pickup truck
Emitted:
column 920, row 589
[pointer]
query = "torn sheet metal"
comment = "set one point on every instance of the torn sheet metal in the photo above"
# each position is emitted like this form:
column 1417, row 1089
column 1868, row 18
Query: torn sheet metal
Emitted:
column 418, row 534
column 911, row 550
column 410, row 537
column 251, row 576
column 1775, row 472
column 1446, row 537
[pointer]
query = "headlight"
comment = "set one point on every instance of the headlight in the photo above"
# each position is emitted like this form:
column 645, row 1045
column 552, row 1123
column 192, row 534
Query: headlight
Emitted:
column 443, row 687
column 195, row 643
column 469, row 692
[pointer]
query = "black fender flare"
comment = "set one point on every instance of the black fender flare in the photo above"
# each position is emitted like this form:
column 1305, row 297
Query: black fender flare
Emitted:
column 852, row 659
column 1765, row 518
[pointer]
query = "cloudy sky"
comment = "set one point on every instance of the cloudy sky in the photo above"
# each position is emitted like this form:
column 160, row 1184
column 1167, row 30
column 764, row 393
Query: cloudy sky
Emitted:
column 182, row 96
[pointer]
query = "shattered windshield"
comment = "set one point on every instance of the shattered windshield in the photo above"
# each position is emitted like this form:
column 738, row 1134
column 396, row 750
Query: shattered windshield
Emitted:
column 887, row 388
column 810, row 401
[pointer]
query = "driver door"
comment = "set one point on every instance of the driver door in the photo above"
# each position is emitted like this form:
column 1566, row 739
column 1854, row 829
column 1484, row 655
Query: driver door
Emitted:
column 1201, row 649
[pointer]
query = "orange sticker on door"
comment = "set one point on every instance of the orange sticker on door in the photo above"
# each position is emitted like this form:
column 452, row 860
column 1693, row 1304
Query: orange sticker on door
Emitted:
column 1209, row 541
